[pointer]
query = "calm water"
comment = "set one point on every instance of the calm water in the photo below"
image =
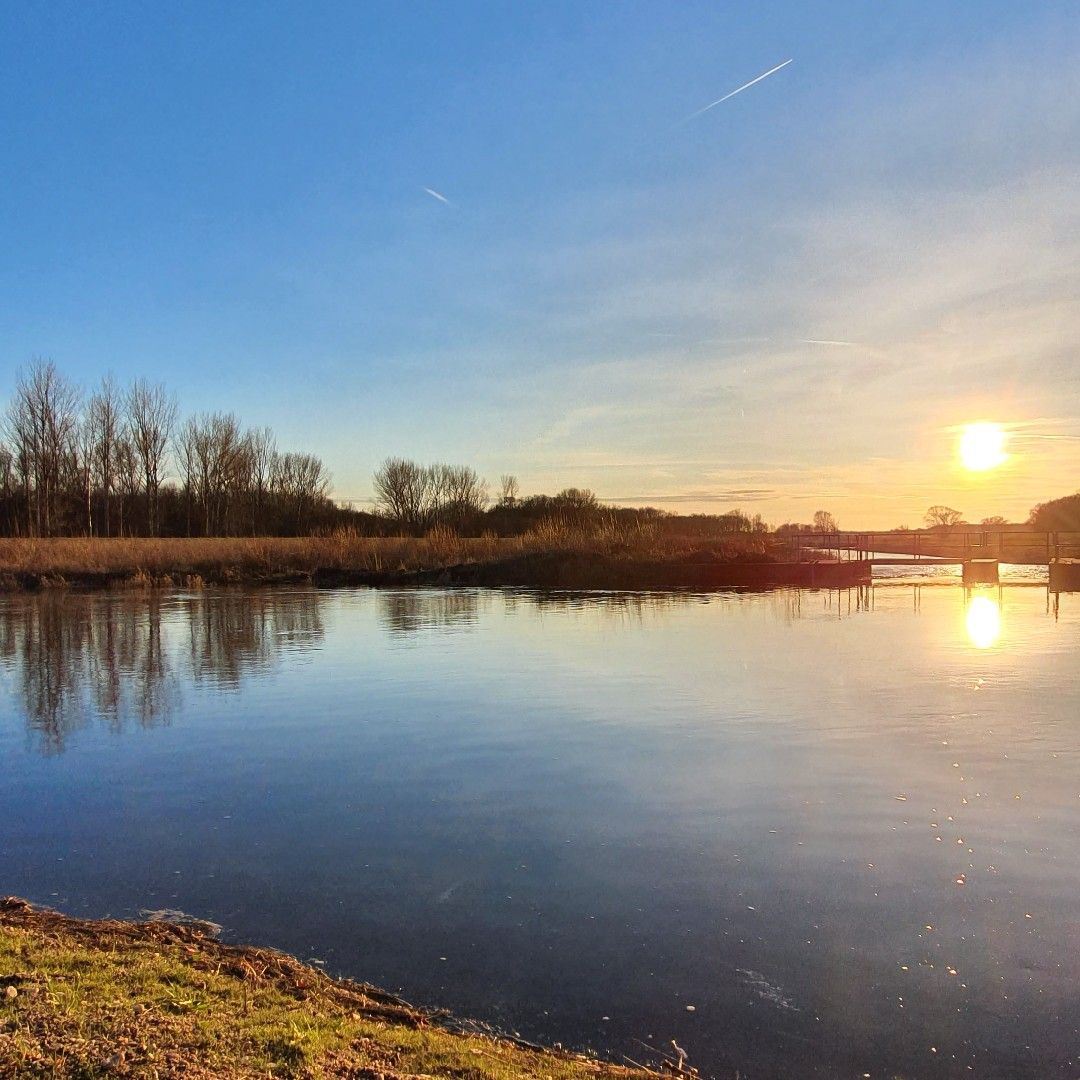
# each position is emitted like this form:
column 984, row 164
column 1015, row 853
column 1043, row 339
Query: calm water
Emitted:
column 844, row 827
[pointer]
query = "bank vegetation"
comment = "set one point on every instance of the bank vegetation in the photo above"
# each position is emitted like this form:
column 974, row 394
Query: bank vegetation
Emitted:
column 166, row 1000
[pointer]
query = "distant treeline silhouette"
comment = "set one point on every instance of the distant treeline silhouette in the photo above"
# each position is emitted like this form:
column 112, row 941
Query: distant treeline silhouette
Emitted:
column 119, row 461
column 1057, row 515
column 413, row 499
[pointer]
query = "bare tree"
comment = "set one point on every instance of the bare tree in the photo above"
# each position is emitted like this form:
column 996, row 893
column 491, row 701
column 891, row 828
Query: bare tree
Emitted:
column 416, row 497
column 21, row 431
column 299, row 481
column 8, row 489
column 41, row 423
column 104, row 420
column 127, row 478
column 185, row 449
column 262, row 449
column 403, row 493
column 460, row 495
column 824, row 522
column 210, row 451
column 84, row 452
column 151, row 413
column 942, row 515
column 219, row 448
column 508, row 490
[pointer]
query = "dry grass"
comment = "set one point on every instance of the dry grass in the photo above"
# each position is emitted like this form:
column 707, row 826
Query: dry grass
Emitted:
column 81, row 1000
column 259, row 555
column 144, row 560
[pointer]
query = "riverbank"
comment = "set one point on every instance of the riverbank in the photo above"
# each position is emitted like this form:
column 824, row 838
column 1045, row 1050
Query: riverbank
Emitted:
column 566, row 559
column 83, row 999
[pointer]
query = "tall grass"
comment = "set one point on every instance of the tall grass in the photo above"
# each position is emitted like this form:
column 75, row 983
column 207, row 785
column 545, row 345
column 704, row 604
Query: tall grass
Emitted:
column 348, row 551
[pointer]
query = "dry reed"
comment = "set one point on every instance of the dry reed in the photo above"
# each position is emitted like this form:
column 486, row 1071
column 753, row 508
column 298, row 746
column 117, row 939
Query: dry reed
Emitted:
column 345, row 550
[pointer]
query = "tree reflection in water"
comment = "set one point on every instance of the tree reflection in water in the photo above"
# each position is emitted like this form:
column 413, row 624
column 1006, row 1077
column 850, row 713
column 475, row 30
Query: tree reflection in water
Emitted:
column 121, row 657
column 409, row 611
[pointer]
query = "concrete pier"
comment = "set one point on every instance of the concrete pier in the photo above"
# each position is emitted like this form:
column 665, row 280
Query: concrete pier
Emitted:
column 1065, row 575
column 981, row 572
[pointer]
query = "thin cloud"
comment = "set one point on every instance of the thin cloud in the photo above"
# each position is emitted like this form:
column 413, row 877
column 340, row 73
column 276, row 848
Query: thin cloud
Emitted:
column 438, row 195
column 737, row 90
column 732, row 495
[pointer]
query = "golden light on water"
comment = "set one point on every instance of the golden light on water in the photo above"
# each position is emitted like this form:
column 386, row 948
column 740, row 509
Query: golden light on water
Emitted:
column 982, row 446
column 983, row 622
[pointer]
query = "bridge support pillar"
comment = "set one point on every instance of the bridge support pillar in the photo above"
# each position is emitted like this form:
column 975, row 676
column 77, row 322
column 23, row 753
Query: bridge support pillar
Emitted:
column 981, row 572
column 1065, row 575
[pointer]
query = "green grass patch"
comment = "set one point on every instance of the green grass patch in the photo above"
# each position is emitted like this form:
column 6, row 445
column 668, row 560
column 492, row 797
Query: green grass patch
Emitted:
column 82, row 1000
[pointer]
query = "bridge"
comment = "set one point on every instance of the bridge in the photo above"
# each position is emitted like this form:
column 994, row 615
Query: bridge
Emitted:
column 975, row 548
column 956, row 545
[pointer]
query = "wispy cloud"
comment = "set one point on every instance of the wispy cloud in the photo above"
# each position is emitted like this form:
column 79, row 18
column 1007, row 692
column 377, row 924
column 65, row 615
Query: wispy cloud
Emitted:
column 737, row 90
column 438, row 195
column 937, row 283
column 733, row 495
column 1052, row 438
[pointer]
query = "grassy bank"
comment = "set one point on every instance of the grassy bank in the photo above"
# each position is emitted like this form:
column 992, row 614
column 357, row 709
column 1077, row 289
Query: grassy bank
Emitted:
column 346, row 558
column 82, row 1000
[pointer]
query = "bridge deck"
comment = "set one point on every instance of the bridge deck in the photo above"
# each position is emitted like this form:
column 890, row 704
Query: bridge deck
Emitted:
column 922, row 560
column 955, row 546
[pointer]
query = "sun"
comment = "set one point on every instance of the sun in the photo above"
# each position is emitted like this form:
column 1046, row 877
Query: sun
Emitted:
column 982, row 446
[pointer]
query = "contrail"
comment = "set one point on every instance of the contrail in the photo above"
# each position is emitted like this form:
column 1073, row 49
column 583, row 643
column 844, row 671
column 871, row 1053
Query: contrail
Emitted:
column 436, row 195
column 739, row 90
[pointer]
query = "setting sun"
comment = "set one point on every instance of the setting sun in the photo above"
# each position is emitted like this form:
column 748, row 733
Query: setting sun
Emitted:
column 982, row 446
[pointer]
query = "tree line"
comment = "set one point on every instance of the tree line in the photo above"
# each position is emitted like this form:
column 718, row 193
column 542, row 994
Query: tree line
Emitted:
column 120, row 461
column 73, row 464
column 1057, row 515
column 413, row 498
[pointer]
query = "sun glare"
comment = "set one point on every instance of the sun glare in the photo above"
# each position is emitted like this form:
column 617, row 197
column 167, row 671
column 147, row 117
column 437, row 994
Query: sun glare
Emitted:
column 982, row 446
column 983, row 622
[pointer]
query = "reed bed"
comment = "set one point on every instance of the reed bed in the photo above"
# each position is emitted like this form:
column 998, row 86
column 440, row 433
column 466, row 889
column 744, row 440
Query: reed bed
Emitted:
column 347, row 551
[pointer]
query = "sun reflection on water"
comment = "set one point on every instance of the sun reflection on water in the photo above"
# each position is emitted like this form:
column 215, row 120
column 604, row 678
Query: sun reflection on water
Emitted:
column 983, row 621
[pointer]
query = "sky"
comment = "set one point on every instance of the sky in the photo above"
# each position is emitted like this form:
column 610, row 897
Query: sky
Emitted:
column 497, row 234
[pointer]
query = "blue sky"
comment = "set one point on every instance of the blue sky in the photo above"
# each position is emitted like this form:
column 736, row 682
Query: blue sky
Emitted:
column 788, row 302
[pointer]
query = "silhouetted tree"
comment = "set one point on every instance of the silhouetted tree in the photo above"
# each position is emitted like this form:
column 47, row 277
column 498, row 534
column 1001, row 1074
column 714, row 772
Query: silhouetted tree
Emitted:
column 508, row 490
column 418, row 497
column 150, row 417
column 42, row 425
column 942, row 516
column 104, row 420
column 402, row 493
column 1057, row 515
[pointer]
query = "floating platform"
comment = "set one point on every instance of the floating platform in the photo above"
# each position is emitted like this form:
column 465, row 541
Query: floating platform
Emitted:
column 1065, row 575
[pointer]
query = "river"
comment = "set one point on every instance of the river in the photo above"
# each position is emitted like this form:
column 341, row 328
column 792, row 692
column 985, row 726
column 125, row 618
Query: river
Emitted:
column 801, row 833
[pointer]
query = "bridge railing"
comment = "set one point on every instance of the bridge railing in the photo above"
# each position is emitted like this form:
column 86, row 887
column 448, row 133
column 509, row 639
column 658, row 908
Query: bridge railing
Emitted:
column 1005, row 545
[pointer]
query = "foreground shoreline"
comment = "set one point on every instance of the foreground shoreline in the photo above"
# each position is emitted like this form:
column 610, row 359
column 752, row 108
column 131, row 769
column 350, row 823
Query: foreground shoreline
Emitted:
column 108, row 998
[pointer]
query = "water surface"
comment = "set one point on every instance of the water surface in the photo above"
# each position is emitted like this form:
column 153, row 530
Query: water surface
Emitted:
column 841, row 826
